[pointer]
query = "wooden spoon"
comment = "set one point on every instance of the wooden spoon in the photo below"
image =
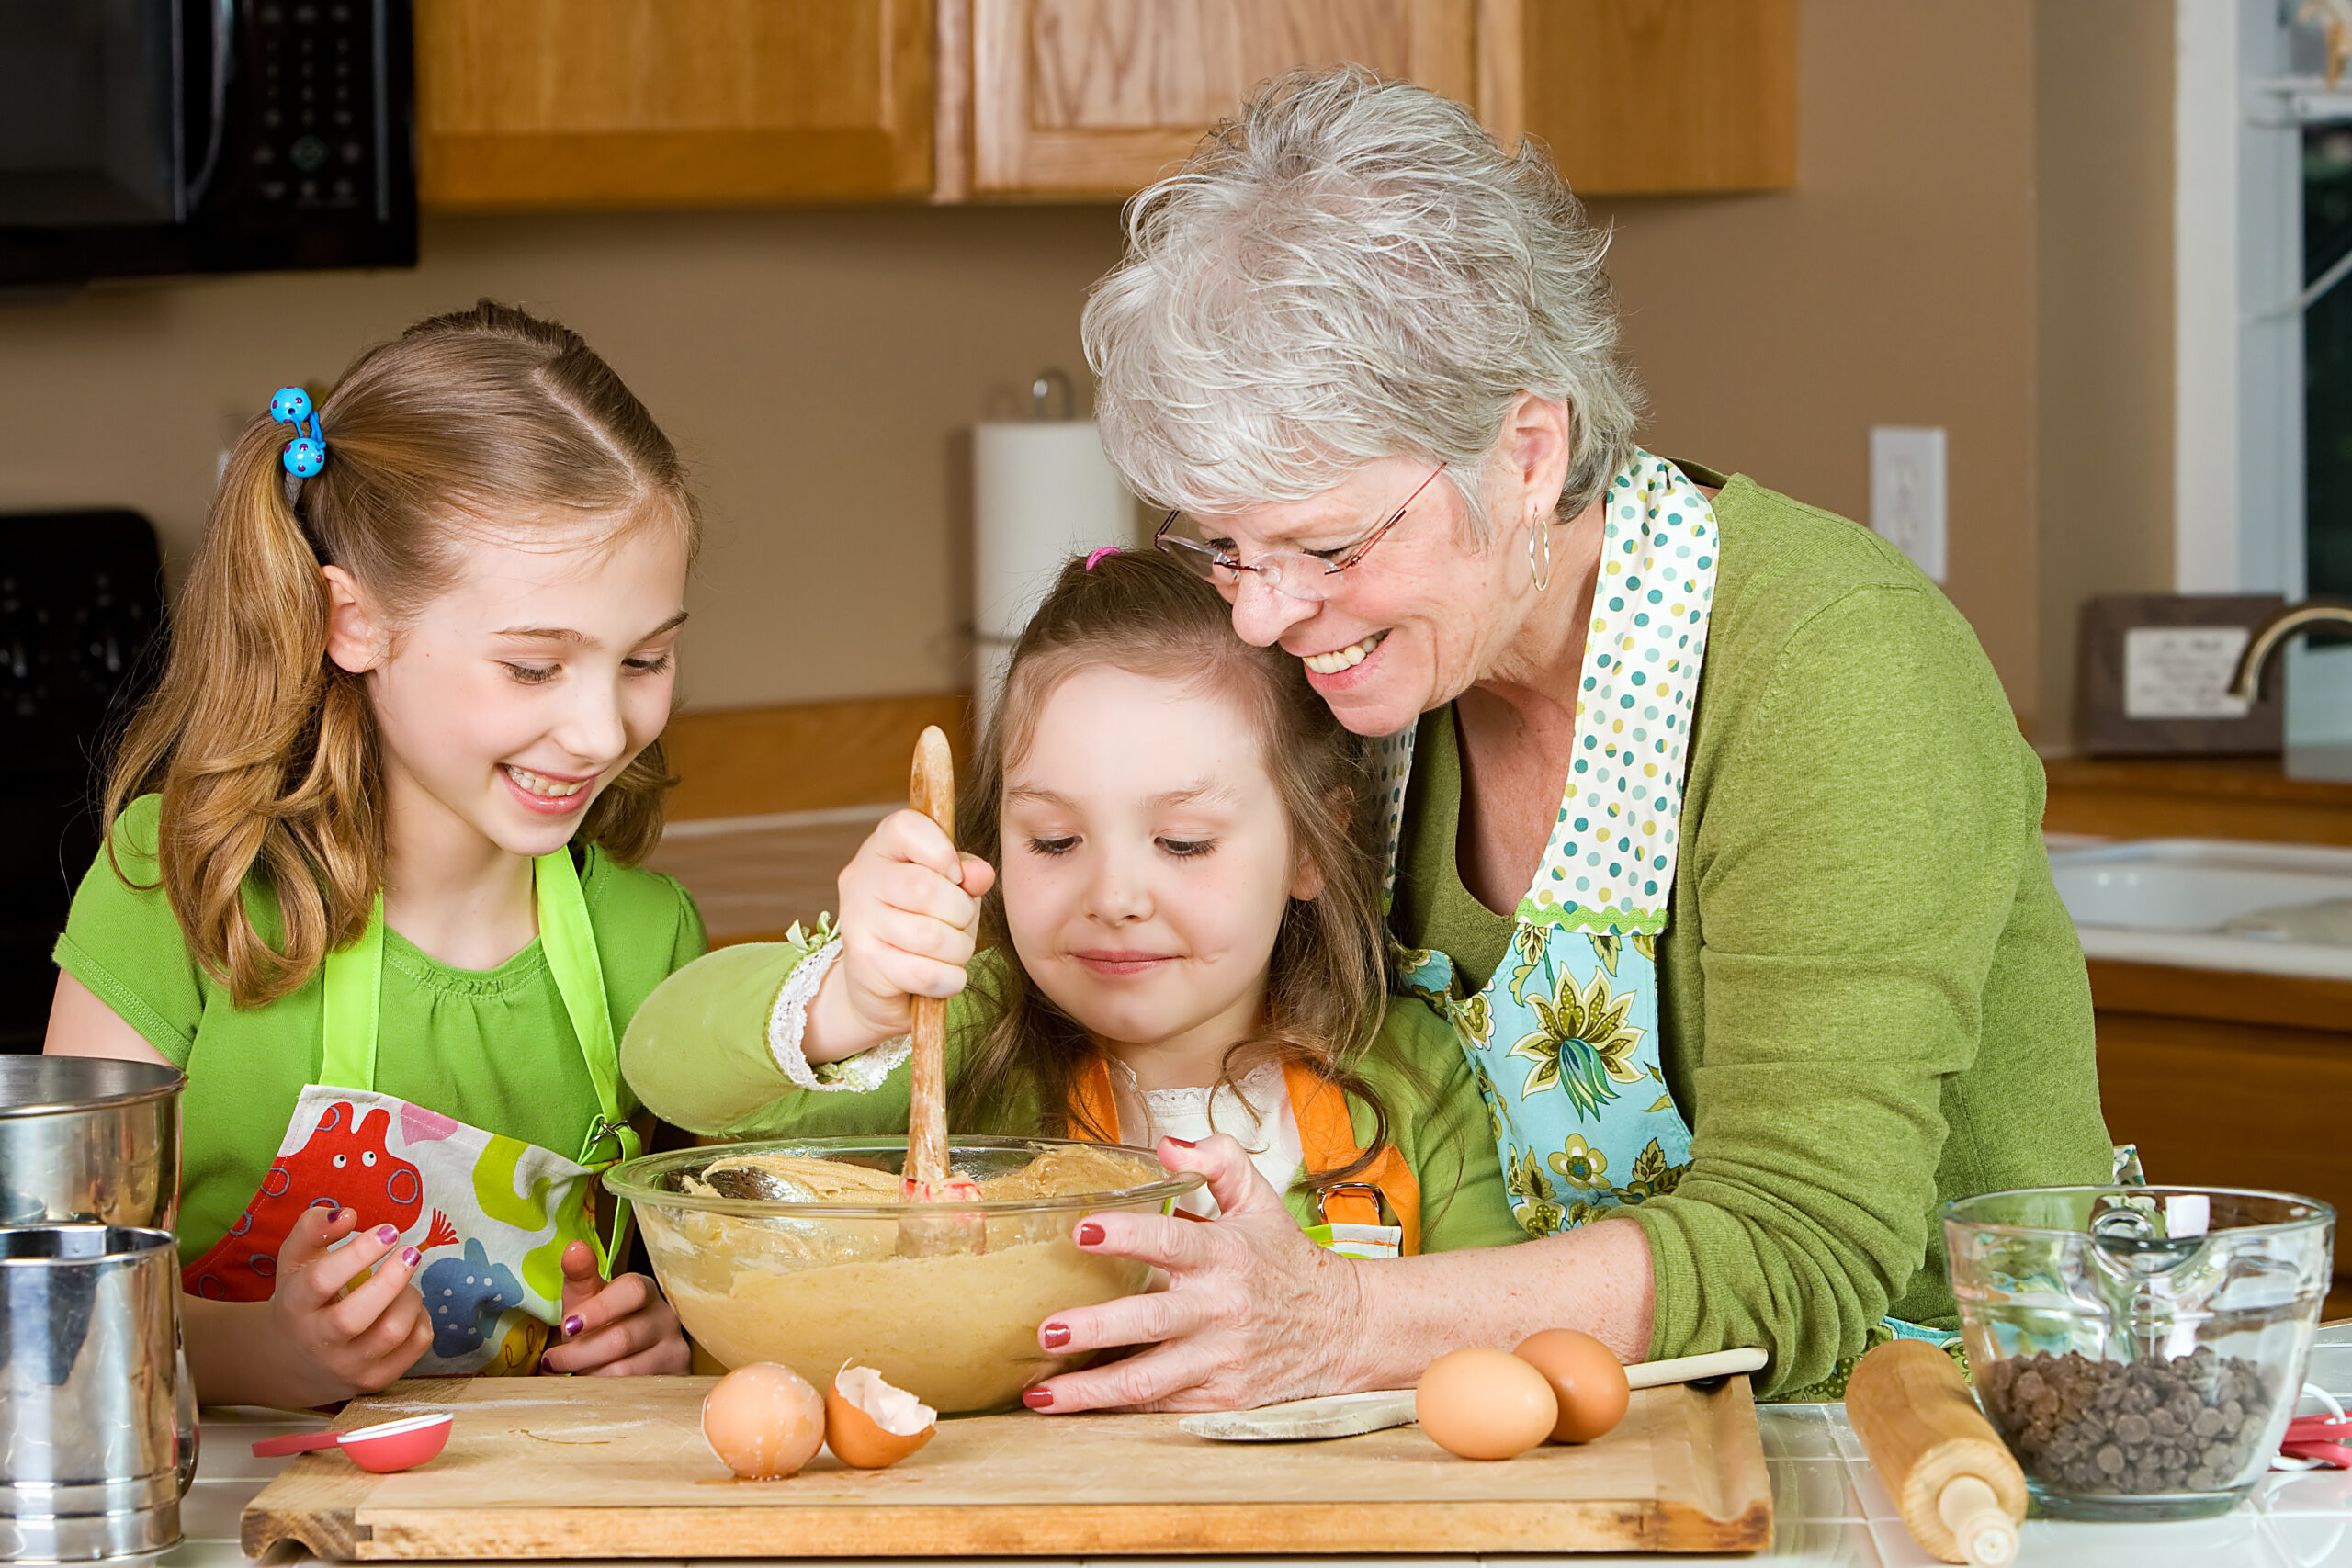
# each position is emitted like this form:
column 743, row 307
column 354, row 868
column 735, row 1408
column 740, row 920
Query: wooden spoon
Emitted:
column 926, row 1177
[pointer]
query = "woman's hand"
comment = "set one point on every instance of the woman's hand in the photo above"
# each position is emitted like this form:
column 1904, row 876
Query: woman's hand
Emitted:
column 621, row 1329
column 909, row 910
column 330, row 1337
column 1253, row 1312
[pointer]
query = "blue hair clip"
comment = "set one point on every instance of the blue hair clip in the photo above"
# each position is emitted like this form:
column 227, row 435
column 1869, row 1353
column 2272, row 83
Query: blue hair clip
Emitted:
column 306, row 454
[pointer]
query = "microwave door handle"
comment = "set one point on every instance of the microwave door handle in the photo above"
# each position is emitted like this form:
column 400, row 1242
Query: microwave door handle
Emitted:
column 224, row 31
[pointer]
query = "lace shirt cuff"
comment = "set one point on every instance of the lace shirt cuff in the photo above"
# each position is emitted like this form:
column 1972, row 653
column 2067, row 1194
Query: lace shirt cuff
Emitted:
column 789, row 1021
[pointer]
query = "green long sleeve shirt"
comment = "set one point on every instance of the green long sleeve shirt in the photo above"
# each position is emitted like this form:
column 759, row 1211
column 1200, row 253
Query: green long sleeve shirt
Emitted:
column 1871, row 999
column 697, row 1053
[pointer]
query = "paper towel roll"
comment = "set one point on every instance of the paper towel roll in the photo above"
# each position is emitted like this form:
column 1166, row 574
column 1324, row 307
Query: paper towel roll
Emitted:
column 1042, row 491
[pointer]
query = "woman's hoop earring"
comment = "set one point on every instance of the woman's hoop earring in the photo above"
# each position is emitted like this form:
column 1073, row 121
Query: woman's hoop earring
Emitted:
column 1541, row 575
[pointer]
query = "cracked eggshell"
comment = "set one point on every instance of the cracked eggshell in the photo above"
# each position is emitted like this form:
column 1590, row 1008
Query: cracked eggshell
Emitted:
column 1587, row 1380
column 870, row 1425
column 763, row 1421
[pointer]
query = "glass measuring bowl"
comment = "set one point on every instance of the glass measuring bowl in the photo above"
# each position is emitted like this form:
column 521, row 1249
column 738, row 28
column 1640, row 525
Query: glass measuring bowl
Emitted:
column 814, row 1284
column 2139, row 1348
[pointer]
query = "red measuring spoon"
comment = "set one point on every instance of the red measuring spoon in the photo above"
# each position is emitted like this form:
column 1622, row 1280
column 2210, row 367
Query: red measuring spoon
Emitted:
column 383, row 1447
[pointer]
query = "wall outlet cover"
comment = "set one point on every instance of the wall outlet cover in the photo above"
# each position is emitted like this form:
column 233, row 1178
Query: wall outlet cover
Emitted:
column 1908, row 493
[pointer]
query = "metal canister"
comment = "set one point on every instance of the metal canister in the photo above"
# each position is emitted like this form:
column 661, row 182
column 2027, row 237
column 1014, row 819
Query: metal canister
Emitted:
column 93, row 1460
column 89, row 1139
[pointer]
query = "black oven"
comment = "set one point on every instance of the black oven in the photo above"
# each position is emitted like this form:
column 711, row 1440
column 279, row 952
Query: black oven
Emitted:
column 168, row 136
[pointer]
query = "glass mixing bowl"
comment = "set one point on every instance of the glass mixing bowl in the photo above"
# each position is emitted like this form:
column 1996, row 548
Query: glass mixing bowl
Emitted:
column 813, row 1285
column 2139, row 1348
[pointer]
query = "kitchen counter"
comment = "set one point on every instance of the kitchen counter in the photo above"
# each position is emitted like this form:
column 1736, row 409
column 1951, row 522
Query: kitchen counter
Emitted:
column 2194, row 798
column 1830, row 1507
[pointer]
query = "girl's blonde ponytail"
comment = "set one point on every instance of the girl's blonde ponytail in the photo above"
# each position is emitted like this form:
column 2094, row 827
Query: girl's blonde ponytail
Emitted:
column 263, row 750
column 255, row 740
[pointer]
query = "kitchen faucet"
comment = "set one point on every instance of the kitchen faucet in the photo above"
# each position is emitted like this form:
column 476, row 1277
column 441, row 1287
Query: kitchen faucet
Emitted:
column 2247, row 683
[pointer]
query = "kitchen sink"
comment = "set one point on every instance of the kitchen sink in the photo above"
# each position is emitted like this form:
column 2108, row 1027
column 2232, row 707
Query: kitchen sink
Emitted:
column 2212, row 903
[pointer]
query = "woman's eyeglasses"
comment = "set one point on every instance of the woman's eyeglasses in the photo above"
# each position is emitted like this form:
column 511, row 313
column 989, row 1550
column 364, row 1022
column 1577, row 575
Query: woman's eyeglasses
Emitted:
column 1292, row 572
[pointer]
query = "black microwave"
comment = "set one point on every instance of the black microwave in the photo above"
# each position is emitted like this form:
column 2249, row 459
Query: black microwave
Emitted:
column 174, row 136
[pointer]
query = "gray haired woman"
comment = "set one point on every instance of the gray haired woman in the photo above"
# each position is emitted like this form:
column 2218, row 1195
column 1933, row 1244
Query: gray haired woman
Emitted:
column 1708, row 824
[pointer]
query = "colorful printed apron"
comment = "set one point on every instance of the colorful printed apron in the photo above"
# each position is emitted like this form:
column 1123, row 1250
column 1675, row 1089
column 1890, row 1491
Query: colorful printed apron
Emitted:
column 1350, row 1217
column 1564, row 1037
column 501, row 1211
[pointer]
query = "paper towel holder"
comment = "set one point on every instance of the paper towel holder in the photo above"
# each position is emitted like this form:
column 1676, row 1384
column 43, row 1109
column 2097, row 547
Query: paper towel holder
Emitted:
column 1041, row 391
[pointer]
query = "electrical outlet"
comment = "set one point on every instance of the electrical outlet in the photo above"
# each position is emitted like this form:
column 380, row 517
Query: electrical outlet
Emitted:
column 1908, row 493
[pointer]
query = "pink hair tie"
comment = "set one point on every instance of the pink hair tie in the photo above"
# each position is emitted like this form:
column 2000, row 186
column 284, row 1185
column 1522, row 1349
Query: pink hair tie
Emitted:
column 1097, row 555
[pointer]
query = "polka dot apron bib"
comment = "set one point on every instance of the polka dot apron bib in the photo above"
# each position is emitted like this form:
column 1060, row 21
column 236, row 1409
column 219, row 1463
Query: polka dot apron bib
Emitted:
column 1563, row 1040
column 492, row 1214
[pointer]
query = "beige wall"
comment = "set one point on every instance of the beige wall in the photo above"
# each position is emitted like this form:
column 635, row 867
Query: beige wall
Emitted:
column 1893, row 285
column 2104, row 314
column 817, row 367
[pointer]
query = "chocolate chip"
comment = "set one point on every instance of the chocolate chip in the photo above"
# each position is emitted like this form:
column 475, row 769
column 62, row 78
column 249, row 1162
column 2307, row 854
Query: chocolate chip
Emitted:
column 2133, row 1428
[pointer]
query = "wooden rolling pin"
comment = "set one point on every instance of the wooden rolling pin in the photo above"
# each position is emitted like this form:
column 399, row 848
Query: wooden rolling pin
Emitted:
column 1957, row 1485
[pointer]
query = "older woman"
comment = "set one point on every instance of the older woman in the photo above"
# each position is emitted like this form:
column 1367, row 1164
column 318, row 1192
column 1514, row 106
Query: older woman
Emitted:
column 1708, row 825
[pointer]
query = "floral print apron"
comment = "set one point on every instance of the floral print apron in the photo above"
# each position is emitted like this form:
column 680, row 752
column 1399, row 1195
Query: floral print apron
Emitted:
column 1563, row 1040
column 500, row 1210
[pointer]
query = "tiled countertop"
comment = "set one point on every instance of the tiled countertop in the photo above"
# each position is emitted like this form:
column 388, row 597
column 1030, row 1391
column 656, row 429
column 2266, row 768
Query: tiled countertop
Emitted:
column 1828, row 1506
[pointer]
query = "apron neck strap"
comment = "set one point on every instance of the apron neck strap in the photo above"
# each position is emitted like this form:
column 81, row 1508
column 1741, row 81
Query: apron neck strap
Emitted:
column 354, row 989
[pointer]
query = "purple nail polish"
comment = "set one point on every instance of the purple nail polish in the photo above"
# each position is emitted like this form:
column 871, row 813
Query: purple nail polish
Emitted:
column 1056, row 1335
column 1037, row 1398
column 388, row 1234
column 1090, row 1235
column 574, row 1325
column 411, row 1257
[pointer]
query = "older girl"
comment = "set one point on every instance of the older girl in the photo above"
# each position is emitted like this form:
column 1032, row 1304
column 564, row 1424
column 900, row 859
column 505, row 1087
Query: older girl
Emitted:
column 368, row 876
column 1179, row 943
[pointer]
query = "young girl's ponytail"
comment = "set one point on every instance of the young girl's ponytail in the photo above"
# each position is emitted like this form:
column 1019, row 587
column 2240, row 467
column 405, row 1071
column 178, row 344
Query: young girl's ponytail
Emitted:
column 255, row 739
column 263, row 749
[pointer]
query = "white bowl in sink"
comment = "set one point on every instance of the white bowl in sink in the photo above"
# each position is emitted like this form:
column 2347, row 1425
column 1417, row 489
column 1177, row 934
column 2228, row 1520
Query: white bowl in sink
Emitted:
column 2176, row 900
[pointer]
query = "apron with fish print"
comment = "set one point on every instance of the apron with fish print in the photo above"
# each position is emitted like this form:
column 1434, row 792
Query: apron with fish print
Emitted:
column 1562, row 1039
column 492, row 1215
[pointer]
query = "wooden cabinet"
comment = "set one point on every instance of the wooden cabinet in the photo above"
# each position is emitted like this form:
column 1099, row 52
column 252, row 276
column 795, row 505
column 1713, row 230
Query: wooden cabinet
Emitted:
column 1092, row 98
column 2231, row 1080
column 587, row 104
column 1646, row 97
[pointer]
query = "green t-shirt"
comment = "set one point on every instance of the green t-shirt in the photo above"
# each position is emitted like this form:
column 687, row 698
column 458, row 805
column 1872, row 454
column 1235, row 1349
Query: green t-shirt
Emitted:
column 491, row 1047
column 1871, row 999
column 697, row 1053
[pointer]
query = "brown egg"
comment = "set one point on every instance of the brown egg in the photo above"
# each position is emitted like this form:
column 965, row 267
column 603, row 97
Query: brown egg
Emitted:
column 1585, row 1379
column 1484, row 1404
column 763, row 1422
column 872, row 1426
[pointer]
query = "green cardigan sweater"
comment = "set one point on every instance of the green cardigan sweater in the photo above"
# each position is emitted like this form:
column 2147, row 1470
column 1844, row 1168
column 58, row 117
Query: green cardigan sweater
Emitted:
column 1871, row 999
column 697, row 1053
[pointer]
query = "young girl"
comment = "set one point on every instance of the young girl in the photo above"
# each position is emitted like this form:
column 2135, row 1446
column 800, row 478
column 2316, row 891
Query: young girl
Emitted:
column 368, row 869
column 1185, row 937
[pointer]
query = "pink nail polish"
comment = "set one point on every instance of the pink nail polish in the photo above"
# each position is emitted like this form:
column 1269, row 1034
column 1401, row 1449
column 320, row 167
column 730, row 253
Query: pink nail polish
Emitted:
column 574, row 1325
column 1090, row 1235
column 388, row 1234
column 1037, row 1398
column 411, row 1257
column 1056, row 1335
column 1184, row 1143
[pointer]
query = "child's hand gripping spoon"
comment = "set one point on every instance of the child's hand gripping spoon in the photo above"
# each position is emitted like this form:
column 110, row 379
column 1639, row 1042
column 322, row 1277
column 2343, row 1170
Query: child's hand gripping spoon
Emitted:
column 926, row 1176
column 1957, row 1485
column 386, row 1447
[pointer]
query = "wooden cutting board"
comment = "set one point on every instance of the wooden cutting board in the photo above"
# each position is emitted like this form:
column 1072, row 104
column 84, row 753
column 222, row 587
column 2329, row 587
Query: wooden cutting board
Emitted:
column 617, row 1467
